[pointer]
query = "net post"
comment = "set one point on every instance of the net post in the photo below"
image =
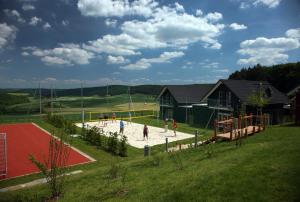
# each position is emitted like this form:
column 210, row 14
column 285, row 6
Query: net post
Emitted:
column 3, row 150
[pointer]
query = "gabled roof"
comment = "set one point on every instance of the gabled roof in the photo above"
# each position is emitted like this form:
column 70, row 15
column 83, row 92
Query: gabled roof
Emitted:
column 187, row 93
column 244, row 88
column 293, row 92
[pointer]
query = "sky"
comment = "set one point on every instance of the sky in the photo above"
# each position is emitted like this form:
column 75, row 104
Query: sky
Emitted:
column 66, row 43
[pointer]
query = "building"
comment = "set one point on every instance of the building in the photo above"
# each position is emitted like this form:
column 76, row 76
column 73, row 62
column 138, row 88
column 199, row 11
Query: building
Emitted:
column 237, row 96
column 294, row 99
column 176, row 101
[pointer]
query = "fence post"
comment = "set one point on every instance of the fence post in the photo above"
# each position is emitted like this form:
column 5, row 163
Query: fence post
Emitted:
column 251, row 121
column 240, row 121
column 231, row 123
column 215, row 130
column 166, row 144
column 196, row 138
column 264, row 121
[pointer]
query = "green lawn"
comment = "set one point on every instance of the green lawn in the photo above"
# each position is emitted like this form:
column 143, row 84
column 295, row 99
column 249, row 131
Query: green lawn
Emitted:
column 72, row 104
column 265, row 168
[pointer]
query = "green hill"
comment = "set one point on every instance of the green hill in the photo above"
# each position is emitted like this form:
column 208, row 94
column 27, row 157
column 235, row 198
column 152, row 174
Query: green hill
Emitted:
column 284, row 77
column 92, row 91
column 265, row 168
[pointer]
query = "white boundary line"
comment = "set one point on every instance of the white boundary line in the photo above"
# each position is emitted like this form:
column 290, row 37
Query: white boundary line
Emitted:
column 77, row 150
column 33, row 183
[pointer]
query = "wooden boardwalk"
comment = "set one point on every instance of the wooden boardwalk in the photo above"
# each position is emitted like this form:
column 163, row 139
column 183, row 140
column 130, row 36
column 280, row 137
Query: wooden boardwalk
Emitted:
column 249, row 130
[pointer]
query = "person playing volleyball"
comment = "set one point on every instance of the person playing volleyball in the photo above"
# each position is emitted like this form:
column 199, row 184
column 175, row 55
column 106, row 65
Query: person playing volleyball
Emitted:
column 145, row 132
column 113, row 117
column 174, row 127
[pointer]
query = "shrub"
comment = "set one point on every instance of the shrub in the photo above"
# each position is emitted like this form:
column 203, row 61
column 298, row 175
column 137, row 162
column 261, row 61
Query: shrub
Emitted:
column 157, row 159
column 123, row 146
column 59, row 122
column 112, row 143
column 175, row 157
column 114, row 170
column 55, row 167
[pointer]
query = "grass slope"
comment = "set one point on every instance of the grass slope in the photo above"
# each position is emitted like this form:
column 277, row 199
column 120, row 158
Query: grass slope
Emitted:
column 265, row 168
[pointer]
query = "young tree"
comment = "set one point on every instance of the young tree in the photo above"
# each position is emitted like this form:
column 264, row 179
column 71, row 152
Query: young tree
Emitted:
column 54, row 168
column 258, row 99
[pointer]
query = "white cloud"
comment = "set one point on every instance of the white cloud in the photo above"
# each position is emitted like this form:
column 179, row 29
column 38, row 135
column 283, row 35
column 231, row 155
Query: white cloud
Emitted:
column 171, row 29
column 15, row 14
column 34, row 21
column 65, row 23
column 236, row 26
column 145, row 63
column 168, row 26
column 53, row 60
column 117, row 8
column 46, row 26
column 122, row 44
column 139, row 65
column 48, row 80
column 245, row 4
column 266, row 51
column 268, row 3
column 221, row 70
column 165, row 27
column 214, row 17
column 27, row 7
column 65, row 54
column 199, row 12
column 179, row 7
column 210, row 65
column 117, row 60
column 27, row 0
column 7, row 34
column 24, row 53
column 293, row 33
column 111, row 22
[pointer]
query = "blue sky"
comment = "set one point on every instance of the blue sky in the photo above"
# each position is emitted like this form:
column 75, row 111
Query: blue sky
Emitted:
column 100, row 42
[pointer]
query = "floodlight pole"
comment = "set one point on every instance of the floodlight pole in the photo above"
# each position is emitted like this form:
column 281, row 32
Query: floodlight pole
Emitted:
column 51, row 100
column 82, row 110
column 40, row 98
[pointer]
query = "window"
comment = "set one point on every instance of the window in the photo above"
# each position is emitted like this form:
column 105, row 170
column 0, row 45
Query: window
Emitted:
column 228, row 99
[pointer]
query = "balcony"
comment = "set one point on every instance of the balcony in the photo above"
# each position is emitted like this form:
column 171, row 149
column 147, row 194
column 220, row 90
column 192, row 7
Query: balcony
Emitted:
column 220, row 104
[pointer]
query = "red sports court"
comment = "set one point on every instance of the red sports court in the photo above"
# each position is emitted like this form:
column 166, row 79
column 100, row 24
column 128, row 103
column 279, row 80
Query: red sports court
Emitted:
column 25, row 139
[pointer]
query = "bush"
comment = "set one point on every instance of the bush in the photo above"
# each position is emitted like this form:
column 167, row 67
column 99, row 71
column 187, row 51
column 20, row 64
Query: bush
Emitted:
column 158, row 159
column 114, row 170
column 59, row 122
column 176, row 158
column 112, row 143
column 123, row 146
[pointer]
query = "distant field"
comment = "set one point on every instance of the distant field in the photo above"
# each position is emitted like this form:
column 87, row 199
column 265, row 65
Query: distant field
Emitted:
column 72, row 104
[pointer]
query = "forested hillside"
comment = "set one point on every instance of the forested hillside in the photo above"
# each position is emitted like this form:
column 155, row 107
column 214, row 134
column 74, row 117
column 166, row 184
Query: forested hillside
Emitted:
column 91, row 91
column 284, row 77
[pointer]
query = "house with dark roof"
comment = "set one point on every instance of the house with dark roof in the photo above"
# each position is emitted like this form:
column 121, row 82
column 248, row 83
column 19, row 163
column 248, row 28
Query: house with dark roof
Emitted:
column 234, row 96
column 176, row 101
column 294, row 100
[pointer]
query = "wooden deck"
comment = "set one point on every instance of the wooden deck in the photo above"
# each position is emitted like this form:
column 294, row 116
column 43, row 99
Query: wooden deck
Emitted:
column 250, row 130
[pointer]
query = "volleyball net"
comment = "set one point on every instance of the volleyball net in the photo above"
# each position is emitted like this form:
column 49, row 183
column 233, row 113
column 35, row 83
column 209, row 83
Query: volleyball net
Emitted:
column 124, row 115
column 3, row 155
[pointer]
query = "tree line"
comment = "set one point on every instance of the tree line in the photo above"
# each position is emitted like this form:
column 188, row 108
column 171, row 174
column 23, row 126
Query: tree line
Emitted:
column 284, row 77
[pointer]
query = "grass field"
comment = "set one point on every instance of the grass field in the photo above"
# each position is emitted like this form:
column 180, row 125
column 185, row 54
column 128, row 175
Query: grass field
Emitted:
column 265, row 168
column 72, row 104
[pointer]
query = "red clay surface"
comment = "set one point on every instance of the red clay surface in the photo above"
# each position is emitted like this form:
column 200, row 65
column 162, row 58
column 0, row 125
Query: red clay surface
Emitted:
column 25, row 139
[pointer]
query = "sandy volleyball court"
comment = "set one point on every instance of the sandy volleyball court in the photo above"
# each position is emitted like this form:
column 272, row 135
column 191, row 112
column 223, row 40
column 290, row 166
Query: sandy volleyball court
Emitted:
column 134, row 133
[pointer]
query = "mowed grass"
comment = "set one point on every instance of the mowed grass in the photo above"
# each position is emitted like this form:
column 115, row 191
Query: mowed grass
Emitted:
column 265, row 168
column 73, row 104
